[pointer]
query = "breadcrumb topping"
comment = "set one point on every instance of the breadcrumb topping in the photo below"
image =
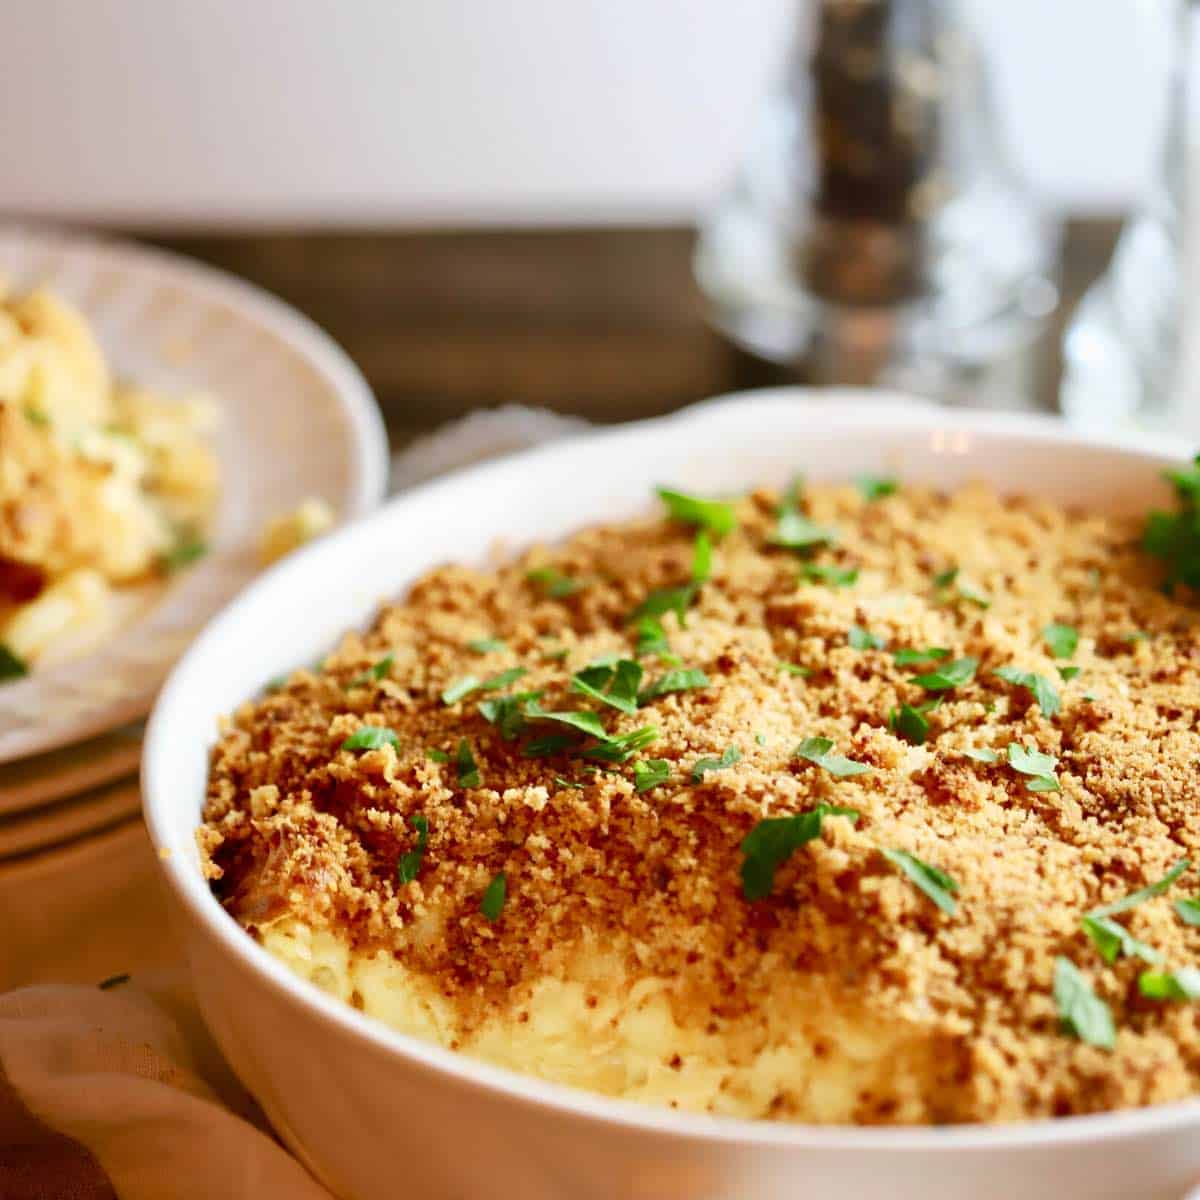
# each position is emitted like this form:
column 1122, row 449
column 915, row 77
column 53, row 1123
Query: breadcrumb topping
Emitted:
column 296, row 827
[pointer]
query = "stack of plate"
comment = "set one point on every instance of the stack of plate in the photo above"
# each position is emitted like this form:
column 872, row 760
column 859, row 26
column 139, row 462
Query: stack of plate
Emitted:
column 297, row 421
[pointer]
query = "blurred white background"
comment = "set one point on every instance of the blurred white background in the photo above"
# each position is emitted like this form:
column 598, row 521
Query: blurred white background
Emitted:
column 450, row 112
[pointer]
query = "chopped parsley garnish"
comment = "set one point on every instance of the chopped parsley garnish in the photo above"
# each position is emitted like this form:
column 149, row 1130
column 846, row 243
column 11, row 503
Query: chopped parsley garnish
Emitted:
column 1143, row 894
column 39, row 418
column 544, row 747
column 460, row 688
column 702, row 558
column 1183, row 984
column 623, row 747
column 507, row 713
column 943, row 581
column 1066, row 674
column 984, row 755
column 910, row 723
column 682, row 679
column 918, row 658
column 1175, row 537
column 833, row 576
column 1042, row 689
column 584, row 722
column 1038, row 767
column 553, row 582
column 652, row 639
column 11, row 667
column 794, row 530
column 577, row 784
column 817, row 750
column 717, row 515
column 794, row 669
column 650, row 772
column 188, row 549
column 615, row 684
column 436, row 755
column 1080, row 1011
column 469, row 683
column 410, row 861
column 1188, row 911
column 468, row 769
column 702, row 766
column 676, row 599
column 486, row 645
column 861, row 639
column 371, row 737
column 375, row 673
column 113, row 981
column 557, row 655
column 937, row 885
column 874, row 487
column 1061, row 640
column 494, row 896
column 1113, row 940
column 953, row 674
column 773, row 841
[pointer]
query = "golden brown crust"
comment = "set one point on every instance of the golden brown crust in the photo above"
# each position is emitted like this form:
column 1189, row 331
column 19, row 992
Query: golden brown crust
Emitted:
column 294, row 824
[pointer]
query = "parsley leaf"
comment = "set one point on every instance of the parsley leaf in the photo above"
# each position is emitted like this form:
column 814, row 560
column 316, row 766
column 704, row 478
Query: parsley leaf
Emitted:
column 984, row 755
column 11, row 667
column 460, row 688
column 507, row 713
column 679, row 680
column 410, row 860
column 943, row 581
column 39, row 418
column 664, row 600
column 717, row 515
column 1080, row 1010
column 1143, row 894
column 860, row 639
column 553, row 743
column 833, row 576
column 1188, row 911
column 615, row 685
column 371, row 737
column 486, row 645
column 497, row 682
column 652, row 639
column 794, row 530
column 468, row 769
column 1043, row 690
column 909, row 723
column 702, row 558
column 188, row 549
column 1039, row 767
column 1113, row 940
column 917, row 658
column 577, row 784
column 953, row 674
column 585, row 722
column 702, row 766
column 937, row 885
column 874, row 487
column 1183, row 984
column 1066, row 674
column 1175, row 537
column 793, row 669
column 773, row 841
column 816, row 750
column 375, row 673
column 650, row 772
column 436, row 755
column 1062, row 640
column 553, row 582
column 469, row 683
column 623, row 747
column 494, row 896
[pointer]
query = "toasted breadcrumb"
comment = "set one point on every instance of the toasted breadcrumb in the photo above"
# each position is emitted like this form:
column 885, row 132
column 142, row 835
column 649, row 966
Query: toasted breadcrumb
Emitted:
column 295, row 827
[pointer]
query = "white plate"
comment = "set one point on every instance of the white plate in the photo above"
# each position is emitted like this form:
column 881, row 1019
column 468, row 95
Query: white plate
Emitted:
column 298, row 421
column 398, row 1099
column 58, row 774
column 68, row 821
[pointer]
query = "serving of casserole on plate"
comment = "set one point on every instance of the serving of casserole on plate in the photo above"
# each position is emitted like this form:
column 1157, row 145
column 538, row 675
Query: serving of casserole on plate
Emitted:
column 850, row 782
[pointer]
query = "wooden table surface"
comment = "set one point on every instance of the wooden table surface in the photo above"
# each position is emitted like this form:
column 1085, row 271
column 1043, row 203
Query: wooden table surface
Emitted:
column 607, row 324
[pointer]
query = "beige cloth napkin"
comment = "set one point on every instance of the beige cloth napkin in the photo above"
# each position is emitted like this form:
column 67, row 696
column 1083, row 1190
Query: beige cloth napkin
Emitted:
column 121, row 1092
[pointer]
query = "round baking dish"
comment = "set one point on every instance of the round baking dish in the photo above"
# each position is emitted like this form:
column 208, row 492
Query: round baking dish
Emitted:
column 371, row 1110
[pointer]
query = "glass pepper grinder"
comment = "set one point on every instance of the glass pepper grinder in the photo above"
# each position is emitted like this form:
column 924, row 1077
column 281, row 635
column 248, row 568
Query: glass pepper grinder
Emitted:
column 874, row 233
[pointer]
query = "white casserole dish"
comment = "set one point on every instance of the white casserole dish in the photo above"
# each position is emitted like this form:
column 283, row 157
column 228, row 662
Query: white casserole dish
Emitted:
column 373, row 1112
